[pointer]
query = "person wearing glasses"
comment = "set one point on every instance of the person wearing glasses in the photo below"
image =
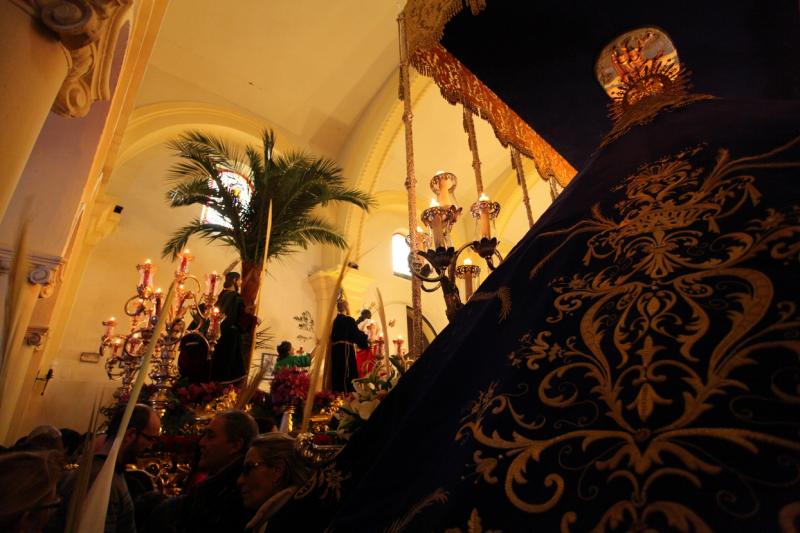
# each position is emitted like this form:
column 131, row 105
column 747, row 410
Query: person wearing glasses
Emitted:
column 215, row 504
column 28, row 490
column 142, row 433
column 271, row 474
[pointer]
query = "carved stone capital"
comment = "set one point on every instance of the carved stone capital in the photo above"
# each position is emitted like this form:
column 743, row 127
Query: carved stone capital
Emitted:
column 89, row 29
column 44, row 270
column 36, row 336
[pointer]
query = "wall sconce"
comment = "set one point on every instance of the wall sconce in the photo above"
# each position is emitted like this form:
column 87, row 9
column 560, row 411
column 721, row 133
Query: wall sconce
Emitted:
column 46, row 378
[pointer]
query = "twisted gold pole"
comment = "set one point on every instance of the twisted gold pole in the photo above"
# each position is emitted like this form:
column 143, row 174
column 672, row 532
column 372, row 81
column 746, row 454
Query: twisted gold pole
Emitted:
column 469, row 127
column 411, row 188
column 553, row 188
column 516, row 162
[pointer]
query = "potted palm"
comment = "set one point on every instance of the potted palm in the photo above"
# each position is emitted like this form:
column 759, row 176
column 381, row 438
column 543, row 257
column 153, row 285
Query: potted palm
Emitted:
column 295, row 184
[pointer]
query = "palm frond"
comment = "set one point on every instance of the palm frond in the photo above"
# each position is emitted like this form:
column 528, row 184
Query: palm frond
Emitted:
column 295, row 183
column 193, row 191
column 211, row 232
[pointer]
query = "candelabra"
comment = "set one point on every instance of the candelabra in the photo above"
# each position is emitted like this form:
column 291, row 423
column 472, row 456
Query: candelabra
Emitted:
column 123, row 352
column 436, row 264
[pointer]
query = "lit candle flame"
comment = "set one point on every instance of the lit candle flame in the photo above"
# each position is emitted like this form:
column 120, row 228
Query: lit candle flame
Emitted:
column 467, row 261
column 420, row 230
column 434, row 202
column 146, row 261
column 483, row 198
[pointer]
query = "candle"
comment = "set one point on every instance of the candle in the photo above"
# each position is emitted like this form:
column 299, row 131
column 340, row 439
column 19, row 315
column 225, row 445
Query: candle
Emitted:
column 212, row 284
column 115, row 346
column 147, row 277
column 158, row 301
column 110, row 324
column 443, row 195
column 468, row 280
column 486, row 229
column 185, row 258
column 399, row 343
column 437, row 228
column 213, row 327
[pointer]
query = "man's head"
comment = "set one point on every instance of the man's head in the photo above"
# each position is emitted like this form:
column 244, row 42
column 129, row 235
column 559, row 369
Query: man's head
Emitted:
column 343, row 307
column 140, row 436
column 226, row 438
column 231, row 281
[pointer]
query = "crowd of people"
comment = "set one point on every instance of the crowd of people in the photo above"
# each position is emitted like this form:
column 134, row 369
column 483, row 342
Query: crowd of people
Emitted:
column 244, row 472
column 245, row 478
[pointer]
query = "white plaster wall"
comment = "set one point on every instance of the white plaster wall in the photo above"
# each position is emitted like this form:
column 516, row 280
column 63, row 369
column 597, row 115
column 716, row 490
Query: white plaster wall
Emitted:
column 376, row 262
column 110, row 279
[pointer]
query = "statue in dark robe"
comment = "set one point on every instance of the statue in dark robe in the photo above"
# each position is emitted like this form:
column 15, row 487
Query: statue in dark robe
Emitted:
column 228, row 361
column 346, row 339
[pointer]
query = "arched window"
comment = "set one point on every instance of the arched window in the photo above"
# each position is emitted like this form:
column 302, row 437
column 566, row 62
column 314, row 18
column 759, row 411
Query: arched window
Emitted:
column 400, row 251
column 236, row 184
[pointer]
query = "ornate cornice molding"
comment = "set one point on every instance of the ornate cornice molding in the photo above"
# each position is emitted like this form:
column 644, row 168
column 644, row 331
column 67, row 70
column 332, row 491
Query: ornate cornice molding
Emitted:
column 88, row 29
column 35, row 336
column 45, row 270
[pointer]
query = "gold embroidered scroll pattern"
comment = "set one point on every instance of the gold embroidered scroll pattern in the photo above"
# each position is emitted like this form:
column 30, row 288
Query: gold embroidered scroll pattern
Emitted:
column 645, row 340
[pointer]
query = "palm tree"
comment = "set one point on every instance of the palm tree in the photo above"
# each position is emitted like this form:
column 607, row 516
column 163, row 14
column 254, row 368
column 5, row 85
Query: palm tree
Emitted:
column 296, row 184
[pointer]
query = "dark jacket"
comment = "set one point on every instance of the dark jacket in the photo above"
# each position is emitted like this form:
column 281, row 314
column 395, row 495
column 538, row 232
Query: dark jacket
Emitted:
column 215, row 504
column 120, row 515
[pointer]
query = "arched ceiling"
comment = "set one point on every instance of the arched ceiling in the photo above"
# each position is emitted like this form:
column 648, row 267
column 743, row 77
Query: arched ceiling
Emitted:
column 308, row 67
column 324, row 76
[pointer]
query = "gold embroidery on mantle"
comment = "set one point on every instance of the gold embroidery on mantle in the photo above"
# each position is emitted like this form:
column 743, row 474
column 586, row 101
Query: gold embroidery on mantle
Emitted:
column 401, row 524
column 474, row 525
column 643, row 321
column 328, row 479
column 503, row 294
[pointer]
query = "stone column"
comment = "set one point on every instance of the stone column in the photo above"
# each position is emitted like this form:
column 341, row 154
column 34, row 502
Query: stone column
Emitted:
column 55, row 54
column 33, row 66
column 41, row 281
column 355, row 285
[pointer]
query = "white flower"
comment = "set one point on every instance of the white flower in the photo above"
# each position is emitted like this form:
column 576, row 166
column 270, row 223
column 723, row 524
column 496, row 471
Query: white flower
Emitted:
column 365, row 409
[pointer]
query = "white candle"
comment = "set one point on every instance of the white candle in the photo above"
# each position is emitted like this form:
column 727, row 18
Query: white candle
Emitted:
column 486, row 228
column 443, row 196
column 110, row 324
column 467, row 280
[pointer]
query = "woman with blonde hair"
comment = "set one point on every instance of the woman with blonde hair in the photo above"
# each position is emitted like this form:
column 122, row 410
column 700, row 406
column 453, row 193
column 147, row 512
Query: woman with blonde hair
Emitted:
column 271, row 474
column 28, row 490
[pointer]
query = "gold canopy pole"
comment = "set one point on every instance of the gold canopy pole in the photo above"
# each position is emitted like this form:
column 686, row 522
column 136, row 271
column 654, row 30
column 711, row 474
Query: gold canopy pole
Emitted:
column 516, row 162
column 469, row 127
column 553, row 190
column 411, row 189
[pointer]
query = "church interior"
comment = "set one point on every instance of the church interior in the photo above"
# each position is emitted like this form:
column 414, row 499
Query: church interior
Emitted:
column 484, row 111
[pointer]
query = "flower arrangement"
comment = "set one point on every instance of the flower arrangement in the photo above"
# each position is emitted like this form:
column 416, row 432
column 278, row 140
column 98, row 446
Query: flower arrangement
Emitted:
column 199, row 394
column 325, row 401
column 359, row 406
column 289, row 388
